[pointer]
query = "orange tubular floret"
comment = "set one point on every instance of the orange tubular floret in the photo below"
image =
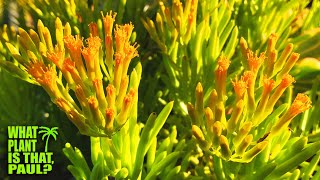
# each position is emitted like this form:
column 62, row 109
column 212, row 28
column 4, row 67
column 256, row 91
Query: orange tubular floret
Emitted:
column 108, row 21
column 121, row 37
column 56, row 58
column 93, row 42
column 287, row 80
column 131, row 50
column 81, row 95
column 110, row 90
column 254, row 61
column 37, row 69
column 248, row 76
column 221, row 76
column 91, row 51
column 128, row 29
column 300, row 104
column 73, row 43
column 90, row 54
column 240, row 87
column 223, row 63
column 110, row 113
column 128, row 100
column 268, row 85
column 93, row 103
column 111, row 95
column 69, row 65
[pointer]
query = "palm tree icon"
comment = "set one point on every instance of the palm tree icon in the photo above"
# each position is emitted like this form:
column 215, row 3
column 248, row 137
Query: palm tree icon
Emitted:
column 47, row 133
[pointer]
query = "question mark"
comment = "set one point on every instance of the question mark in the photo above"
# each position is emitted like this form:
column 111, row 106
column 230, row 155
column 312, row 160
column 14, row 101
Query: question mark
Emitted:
column 46, row 168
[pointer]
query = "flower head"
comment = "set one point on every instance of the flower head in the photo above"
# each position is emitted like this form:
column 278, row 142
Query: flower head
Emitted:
column 286, row 81
column 122, row 36
column 128, row 99
column 128, row 29
column 240, row 86
column 45, row 76
column 93, row 103
column 223, row 64
column 221, row 76
column 268, row 85
column 73, row 43
column 56, row 58
column 254, row 61
column 93, row 45
column 69, row 65
column 131, row 50
column 37, row 69
column 90, row 54
column 249, row 77
column 108, row 21
column 110, row 114
column 300, row 104
column 111, row 95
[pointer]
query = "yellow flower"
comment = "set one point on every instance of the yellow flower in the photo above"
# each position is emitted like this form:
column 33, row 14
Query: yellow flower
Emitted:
column 286, row 81
column 69, row 66
column 73, row 43
column 45, row 76
column 240, row 87
column 90, row 54
column 268, row 85
column 221, row 76
column 300, row 104
column 121, row 36
column 254, row 61
column 108, row 21
column 56, row 57
column 111, row 96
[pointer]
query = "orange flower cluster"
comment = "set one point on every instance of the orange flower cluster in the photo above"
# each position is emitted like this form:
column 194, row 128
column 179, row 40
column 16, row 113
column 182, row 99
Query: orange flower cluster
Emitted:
column 231, row 133
column 82, row 66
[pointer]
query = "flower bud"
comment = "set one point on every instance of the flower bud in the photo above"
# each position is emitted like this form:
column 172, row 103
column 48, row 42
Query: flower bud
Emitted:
column 216, row 131
column 110, row 114
column 253, row 152
column 197, row 132
column 245, row 129
column 242, row 147
column 199, row 103
column 225, row 150
column 98, row 119
column 282, row 59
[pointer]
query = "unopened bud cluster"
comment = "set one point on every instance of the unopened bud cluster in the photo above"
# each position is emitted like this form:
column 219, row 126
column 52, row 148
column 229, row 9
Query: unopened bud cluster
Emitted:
column 173, row 24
